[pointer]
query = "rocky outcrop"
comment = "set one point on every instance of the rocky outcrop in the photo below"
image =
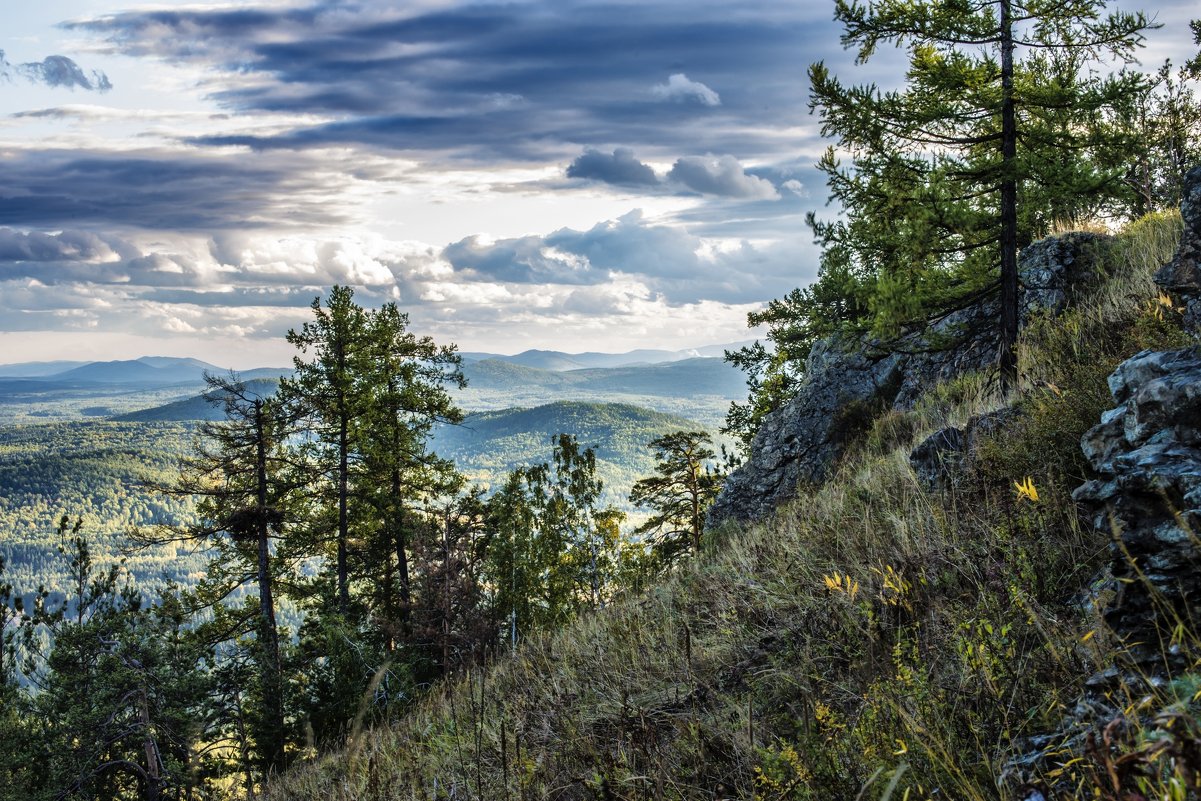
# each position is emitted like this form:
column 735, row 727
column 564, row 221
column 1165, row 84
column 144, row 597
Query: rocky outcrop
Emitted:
column 1147, row 497
column 849, row 380
column 1148, row 454
column 1181, row 277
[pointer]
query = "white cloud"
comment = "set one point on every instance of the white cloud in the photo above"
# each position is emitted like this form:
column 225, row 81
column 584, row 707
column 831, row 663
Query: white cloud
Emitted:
column 722, row 176
column 679, row 89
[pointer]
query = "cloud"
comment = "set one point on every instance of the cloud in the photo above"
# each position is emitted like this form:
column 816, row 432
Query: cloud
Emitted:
column 56, row 71
column 173, row 191
column 670, row 262
column 795, row 187
column 679, row 89
column 16, row 246
column 621, row 168
column 529, row 81
column 722, row 176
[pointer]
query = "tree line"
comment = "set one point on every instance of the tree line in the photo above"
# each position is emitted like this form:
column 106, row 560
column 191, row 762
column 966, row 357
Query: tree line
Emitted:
column 325, row 495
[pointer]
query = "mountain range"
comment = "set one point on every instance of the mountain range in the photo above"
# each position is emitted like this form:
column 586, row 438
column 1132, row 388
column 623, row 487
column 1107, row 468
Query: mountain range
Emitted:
column 148, row 371
column 167, row 370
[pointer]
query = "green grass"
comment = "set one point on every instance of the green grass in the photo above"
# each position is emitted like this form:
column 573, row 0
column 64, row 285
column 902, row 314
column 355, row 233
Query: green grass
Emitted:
column 873, row 640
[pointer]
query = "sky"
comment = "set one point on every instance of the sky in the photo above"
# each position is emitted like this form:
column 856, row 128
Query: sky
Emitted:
column 185, row 178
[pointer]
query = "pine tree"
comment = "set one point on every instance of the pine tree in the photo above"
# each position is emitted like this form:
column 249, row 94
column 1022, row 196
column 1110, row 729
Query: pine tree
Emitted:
column 328, row 393
column 998, row 124
column 407, row 386
column 121, row 689
column 239, row 478
column 680, row 492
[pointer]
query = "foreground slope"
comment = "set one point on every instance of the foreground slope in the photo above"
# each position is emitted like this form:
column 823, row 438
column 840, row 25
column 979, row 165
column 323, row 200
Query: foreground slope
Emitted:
column 874, row 639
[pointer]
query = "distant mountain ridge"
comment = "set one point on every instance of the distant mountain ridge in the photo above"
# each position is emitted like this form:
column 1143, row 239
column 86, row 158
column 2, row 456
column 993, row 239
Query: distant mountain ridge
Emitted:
column 688, row 377
column 145, row 371
column 695, row 376
column 562, row 361
column 194, row 408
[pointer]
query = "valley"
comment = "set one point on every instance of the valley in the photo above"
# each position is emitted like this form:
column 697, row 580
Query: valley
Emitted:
column 88, row 439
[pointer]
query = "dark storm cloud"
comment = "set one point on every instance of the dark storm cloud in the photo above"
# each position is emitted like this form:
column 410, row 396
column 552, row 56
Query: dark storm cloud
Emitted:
column 17, row 246
column 620, row 168
column 163, row 191
column 56, row 71
column 518, row 80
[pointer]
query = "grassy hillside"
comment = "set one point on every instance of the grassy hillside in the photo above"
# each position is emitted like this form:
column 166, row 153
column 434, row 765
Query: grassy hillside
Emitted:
column 873, row 640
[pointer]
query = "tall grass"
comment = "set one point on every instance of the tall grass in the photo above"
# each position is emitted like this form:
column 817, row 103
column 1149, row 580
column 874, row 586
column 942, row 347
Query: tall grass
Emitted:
column 872, row 640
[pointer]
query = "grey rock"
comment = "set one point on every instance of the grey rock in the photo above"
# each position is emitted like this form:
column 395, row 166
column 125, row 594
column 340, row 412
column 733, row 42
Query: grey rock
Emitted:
column 1148, row 499
column 940, row 459
column 1181, row 277
column 849, row 380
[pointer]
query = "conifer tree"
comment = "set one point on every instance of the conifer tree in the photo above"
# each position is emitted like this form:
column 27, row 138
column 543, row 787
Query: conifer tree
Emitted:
column 679, row 493
column 120, row 691
column 407, row 386
column 328, row 393
column 239, row 477
column 998, row 123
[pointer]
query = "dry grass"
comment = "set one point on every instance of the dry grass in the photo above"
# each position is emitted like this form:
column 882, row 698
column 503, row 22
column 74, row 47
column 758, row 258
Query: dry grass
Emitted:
column 872, row 640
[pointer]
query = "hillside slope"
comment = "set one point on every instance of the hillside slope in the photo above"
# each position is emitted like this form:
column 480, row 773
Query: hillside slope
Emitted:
column 874, row 639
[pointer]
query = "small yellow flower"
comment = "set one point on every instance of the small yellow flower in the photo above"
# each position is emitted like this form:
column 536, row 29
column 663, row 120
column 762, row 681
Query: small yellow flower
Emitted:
column 842, row 584
column 1027, row 490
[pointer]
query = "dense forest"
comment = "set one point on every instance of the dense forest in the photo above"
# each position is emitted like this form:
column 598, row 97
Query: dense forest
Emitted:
column 302, row 563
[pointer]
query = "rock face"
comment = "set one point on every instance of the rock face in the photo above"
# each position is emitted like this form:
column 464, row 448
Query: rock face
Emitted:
column 1148, row 454
column 849, row 380
column 1181, row 277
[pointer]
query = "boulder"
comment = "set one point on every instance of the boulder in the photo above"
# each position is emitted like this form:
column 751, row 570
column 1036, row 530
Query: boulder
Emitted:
column 848, row 380
column 1147, row 453
column 941, row 458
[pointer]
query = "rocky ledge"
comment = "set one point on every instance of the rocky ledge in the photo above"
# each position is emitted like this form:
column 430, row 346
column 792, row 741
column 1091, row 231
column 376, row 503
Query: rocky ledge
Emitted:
column 848, row 380
column 1147, row 452
column 1147, row 498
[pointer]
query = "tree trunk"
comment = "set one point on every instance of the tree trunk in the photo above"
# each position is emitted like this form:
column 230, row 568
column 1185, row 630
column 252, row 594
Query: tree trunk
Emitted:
column 343, row 514
column 1007, row 355
column 402, row 556
column 273, row 751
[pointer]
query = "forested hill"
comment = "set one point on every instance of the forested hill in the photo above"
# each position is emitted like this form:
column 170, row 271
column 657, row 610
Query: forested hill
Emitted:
column 95, row 471
column 199, row 407
column 489, row 444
